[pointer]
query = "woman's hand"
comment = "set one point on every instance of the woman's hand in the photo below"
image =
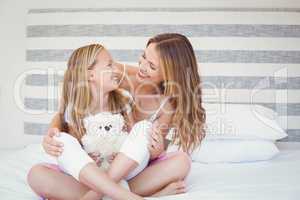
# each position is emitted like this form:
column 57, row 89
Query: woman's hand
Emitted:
column 51, row 146
column 96, row 157
column 156, row 144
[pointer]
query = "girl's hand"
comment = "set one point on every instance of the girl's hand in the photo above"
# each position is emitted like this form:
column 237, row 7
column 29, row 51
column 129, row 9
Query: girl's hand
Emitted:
column 96, row 157
column 156, row 145
column 112, row 157
column 51, row 146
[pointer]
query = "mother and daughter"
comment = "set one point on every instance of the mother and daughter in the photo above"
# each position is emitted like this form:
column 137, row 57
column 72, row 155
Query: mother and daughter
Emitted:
column 164, row 95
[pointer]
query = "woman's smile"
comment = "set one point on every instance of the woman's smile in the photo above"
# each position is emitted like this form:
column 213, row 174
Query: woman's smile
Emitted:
column 142, row 75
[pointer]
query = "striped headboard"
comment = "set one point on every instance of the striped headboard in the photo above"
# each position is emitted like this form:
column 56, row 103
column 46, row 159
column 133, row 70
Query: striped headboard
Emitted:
column 245, row 55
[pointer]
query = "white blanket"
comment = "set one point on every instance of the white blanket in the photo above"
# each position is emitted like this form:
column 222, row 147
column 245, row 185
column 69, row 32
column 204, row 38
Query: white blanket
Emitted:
column 275, row 179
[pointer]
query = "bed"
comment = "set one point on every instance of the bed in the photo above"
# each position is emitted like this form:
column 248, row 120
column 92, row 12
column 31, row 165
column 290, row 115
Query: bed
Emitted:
column 278, row 178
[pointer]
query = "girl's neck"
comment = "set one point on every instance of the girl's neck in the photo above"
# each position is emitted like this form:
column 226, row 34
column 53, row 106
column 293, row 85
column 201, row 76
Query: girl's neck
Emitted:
column 99, row 101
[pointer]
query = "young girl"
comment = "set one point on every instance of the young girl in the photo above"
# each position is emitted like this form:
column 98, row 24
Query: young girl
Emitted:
column 90, row 86
column 168, row 79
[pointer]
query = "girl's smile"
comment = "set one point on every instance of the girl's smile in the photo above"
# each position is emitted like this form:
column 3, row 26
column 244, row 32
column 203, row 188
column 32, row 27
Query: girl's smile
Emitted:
column 115, row 78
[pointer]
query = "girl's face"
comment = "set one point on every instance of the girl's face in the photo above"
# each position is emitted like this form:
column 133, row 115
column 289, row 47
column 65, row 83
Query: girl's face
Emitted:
column 103, row 74
column 150, row 70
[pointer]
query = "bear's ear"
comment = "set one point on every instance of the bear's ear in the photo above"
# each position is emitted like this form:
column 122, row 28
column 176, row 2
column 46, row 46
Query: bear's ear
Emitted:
column 121, row 120
column 119, row 117
column 99, row 117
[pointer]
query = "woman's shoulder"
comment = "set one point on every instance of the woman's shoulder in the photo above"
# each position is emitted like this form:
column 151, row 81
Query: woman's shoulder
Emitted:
column 165, row 109
column 166, row 102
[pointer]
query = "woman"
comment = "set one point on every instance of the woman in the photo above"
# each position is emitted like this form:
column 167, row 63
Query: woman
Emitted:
column 168, row 68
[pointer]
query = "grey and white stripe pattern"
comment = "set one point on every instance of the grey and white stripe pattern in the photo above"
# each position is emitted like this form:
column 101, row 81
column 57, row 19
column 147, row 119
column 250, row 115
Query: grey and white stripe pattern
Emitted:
column 246, row 55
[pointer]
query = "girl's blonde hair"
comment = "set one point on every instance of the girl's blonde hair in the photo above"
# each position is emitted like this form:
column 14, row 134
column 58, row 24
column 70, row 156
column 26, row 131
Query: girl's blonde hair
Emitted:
column 76, row 92
column 183, row 84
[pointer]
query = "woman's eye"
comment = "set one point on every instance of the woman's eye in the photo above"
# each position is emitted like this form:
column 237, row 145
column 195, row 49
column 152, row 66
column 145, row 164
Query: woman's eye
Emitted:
column 152, row 67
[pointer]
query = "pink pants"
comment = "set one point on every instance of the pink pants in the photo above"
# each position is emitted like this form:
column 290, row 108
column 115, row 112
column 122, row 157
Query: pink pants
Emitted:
column 164, row 156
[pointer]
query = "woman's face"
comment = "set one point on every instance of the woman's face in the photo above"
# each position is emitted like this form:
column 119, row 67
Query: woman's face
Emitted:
column 150, row 71
column 103, row 74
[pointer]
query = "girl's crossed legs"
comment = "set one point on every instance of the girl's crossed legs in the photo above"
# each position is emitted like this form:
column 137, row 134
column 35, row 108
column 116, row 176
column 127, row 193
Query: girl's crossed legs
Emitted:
column 163, row 177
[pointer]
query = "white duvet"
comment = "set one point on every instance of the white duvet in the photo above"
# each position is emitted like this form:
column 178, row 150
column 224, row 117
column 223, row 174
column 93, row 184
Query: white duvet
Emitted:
column 275, row 179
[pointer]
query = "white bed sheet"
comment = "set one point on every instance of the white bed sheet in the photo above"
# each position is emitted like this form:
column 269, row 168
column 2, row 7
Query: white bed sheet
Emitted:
column 275, row 179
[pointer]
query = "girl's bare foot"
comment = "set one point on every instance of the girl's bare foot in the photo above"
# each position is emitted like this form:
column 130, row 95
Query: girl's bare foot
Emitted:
column 172, row 189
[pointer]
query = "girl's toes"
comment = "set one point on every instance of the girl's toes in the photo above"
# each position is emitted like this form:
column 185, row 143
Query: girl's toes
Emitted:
column 181, row 190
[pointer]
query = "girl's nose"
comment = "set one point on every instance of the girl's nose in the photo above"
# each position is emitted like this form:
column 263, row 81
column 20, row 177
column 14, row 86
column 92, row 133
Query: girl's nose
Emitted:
column 114, row 67
column 116, row 70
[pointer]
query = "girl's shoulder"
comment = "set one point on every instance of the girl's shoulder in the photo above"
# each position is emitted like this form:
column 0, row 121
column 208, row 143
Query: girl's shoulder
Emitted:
column 127, row 95
column 129, row 100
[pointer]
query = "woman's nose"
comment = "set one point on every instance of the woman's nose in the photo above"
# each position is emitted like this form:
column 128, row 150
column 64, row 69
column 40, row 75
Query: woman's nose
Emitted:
column 142, row 61
column 143, row 69
column 143, row 66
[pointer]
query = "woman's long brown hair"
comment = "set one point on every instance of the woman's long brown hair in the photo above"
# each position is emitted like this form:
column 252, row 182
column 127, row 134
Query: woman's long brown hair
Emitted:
column 183, row 84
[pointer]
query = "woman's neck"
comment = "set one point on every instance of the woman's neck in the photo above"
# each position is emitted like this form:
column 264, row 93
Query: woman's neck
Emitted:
column 149, row 90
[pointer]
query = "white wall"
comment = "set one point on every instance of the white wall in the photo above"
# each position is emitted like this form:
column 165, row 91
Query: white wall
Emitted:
column 13, row 45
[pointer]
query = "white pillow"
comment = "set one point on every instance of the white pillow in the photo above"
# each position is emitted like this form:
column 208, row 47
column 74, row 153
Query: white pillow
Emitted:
column 232, row 151
column 240, row 121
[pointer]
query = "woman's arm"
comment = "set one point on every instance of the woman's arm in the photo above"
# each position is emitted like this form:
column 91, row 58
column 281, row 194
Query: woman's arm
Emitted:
column 51, row 146
column 160, row 129
column 129, row 81
column 130, row 70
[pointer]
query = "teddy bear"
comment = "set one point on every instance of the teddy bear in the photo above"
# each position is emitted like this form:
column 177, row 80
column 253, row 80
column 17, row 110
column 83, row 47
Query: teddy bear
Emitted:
column 104, row 135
